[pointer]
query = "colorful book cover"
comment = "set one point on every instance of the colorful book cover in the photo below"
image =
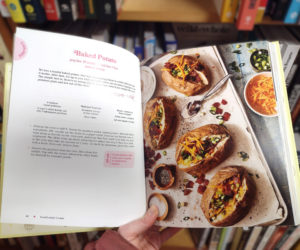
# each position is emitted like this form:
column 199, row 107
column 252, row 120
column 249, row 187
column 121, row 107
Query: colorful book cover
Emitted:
column 16, row 11
column 261, row 11
column 34, row 11
column 226, row 10
column 52, row 10
column 293, row 12
column 3, row 9
column 246, row 15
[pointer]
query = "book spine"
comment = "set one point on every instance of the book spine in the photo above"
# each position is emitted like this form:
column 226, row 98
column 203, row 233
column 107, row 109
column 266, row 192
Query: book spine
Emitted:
column 74, row 8
column 284, row 238
column 228, row 238
column 236, row 239
column 34, row 11
column 61, row 240
column 52, row 10
column 253, row 238
column 81, row 11
column 74, row 242
column 245, row 236
column 228, row 11
column 106, row 10
column 247, row 14
column 222, row 238
column 203, row 240
column 261, row 11
column 149, row 41
column 138, row 43
column 215, row 237
column 279, row 9
column 291, row 241
column 16, row 11
column 65, row 7
column 89, row 9
column 293, row 12
column 3, row 9
column 275, row 237
column 266, row 237
column 170, row 41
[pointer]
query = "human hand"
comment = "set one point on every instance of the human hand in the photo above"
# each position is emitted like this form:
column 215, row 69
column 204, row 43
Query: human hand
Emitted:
column 142, row 233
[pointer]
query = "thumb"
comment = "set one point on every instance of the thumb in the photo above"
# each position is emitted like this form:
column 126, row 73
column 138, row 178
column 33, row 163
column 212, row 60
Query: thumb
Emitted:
column 141, row 225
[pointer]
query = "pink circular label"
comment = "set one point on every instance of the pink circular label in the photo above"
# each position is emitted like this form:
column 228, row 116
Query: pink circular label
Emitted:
column 20, row 49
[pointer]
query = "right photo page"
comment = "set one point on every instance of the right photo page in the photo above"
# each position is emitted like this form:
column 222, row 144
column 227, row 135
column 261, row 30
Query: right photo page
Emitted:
column 213, row 147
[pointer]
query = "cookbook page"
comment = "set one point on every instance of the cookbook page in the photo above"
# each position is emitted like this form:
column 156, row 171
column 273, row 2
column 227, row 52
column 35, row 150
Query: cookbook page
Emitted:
column 204, row 165
column 73, row 153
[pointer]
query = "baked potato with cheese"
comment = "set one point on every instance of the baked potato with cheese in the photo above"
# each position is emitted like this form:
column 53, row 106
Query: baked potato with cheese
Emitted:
column 203, row 148
column 186, row 74
column 159, row 122
column 228, row 197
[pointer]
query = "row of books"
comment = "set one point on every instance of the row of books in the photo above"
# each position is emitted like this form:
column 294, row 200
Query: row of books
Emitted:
column 71, row 241
column 39, row 11
column 247, row 13
column 258, row 238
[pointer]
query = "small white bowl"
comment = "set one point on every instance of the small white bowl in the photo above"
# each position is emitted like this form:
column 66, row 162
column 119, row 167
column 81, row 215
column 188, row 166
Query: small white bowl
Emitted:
column 148, row 83
column 269, row 74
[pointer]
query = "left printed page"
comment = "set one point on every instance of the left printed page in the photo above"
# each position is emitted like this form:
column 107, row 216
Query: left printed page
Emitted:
column 74, row 149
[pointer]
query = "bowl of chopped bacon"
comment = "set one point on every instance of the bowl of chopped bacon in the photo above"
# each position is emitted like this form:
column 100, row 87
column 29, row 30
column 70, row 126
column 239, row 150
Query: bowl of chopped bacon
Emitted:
column 260, row 95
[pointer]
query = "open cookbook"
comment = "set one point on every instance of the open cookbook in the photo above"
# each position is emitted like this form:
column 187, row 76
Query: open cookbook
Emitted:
column 92, row 138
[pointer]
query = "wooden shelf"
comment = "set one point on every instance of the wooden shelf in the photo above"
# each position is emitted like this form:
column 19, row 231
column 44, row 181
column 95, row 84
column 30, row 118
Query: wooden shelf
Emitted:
column 194, row 11
column 169, row 11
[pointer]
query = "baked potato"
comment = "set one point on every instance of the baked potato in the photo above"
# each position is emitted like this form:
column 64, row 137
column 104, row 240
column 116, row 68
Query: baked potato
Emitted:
column 202, row 149
column 228, row 197
column 186, row 74
column 159, row 122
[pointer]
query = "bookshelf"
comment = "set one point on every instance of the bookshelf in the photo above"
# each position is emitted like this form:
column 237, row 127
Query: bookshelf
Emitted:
column 188, row 11
column 174, row 11
column 169, row 11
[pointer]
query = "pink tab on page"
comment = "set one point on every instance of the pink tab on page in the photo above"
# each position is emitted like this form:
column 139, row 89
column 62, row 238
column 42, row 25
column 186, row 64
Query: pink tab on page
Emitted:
column 118, row 159
column 20, row 49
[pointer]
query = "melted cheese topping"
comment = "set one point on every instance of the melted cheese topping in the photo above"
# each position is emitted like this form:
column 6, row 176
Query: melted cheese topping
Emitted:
column 229, row 206
column 192, row 144
column 162, row 120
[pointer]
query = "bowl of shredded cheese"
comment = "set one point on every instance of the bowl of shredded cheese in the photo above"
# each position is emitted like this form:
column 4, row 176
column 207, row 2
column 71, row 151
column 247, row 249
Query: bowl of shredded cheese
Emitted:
column 260, row 95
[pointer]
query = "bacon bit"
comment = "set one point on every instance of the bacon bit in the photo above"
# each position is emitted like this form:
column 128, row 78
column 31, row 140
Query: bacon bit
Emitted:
column 219, row 111
column 157, row 157
column 224, row 102
column 151, row 162
column 201, row 189
column 187, row 191
column 151, row 185
column 190, row 184
column 149, row 152
column 216, row 104
column 206, row 182
column 201, row 179
column 226, row 116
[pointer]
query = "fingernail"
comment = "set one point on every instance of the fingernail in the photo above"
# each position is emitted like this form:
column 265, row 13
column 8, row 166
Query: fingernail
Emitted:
column 153, row 211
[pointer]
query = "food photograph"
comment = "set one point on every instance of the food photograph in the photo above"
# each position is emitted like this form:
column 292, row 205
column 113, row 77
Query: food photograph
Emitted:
column 207, row 163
